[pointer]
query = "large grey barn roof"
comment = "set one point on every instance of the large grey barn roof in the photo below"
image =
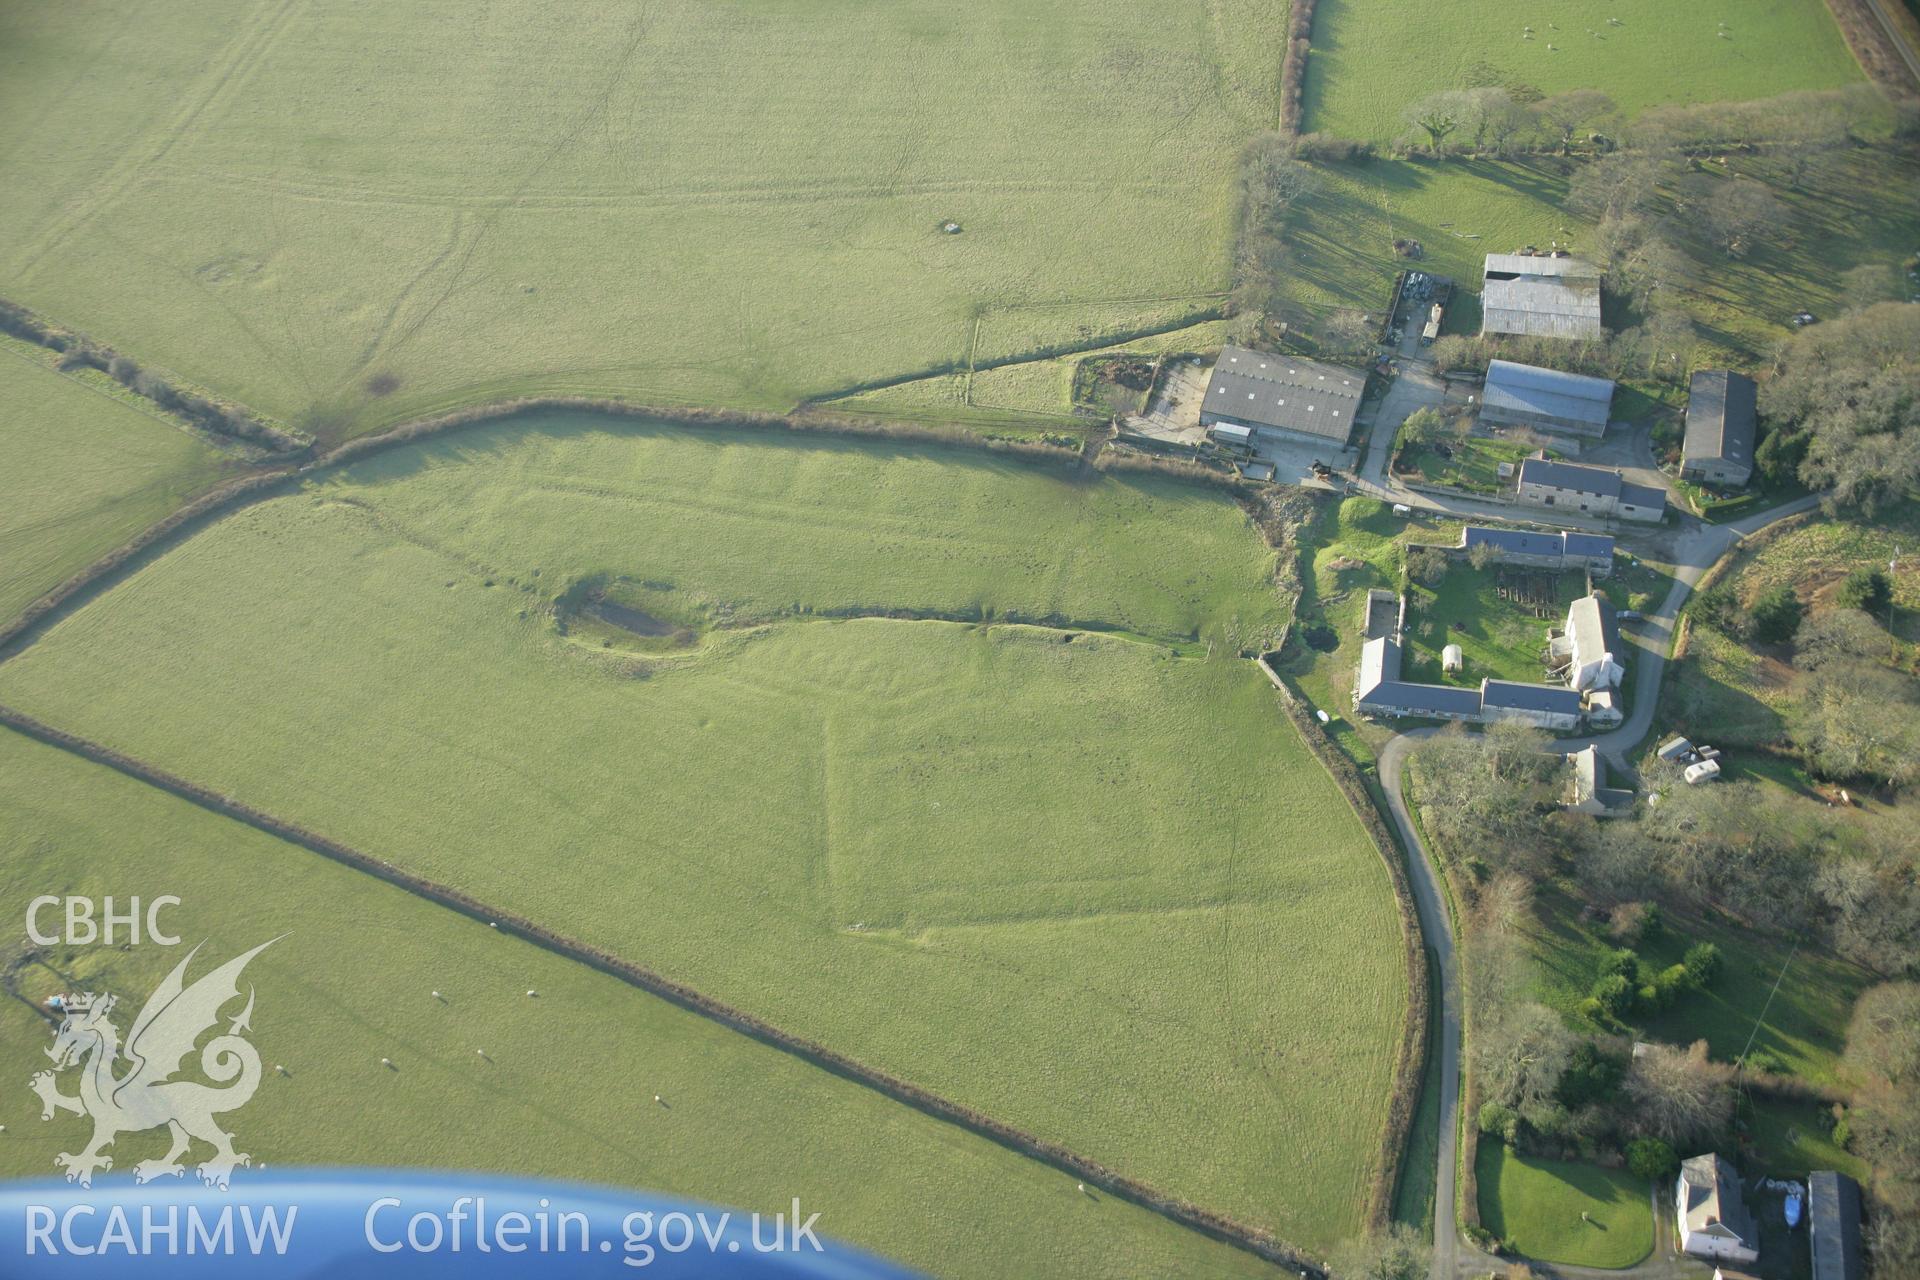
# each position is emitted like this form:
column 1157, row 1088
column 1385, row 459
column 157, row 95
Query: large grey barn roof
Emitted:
column 1380, row 685
column 1285, row 392
column 1529, row 697
column 1543, row 296
column 1435, row 699
column 1720, row 417
column 1525, row 388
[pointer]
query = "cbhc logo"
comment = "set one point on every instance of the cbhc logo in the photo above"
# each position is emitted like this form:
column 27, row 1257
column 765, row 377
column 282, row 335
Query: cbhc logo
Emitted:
column 85, row 925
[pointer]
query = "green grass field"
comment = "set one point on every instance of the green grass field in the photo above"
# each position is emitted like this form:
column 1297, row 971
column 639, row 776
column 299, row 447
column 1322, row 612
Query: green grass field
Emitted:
column 1371, row 58
column 1536, row 1206
column 84, row 472
column 938, row 846
column 566, row 1087
column 730, row 201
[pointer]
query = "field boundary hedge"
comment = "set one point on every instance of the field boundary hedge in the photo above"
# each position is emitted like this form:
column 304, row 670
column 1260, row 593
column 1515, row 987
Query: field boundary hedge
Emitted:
column 1410, row 1057
column 218, row 417
column 1293, row 71
column 1210, row 1223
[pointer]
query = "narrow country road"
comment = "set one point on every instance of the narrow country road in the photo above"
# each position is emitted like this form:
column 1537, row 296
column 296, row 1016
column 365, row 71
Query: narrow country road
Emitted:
column 1697, row 550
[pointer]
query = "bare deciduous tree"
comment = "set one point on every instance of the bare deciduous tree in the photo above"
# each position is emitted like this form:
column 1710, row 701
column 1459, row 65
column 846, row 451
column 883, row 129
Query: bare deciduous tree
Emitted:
column 1567, row 113
column 1521, row 1054
column 1741, row 213
column 1678, row 1094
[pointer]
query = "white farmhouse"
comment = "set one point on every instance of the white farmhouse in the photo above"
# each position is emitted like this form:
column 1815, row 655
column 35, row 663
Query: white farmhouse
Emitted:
column 1711, row 1216
column 1590, row 645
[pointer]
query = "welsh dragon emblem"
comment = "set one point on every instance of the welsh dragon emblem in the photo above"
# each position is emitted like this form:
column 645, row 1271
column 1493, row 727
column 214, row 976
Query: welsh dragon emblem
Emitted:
column 147, row 1095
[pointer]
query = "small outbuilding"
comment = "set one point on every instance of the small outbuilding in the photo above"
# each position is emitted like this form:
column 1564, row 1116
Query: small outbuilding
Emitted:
column 1674, row 750
column 1452, row 661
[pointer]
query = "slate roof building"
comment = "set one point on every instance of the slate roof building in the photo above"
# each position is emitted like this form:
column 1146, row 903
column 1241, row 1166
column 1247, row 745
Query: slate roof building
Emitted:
column 1284, row 397
column 1543, row 706
column 1833, row 1225
column 1527, row 395
column 1593, row 491
column 1721, row 426
column 1540, row 295
column 1557, row 550
column 1711, row 1215
column 1379, row 690
column 1588, row 792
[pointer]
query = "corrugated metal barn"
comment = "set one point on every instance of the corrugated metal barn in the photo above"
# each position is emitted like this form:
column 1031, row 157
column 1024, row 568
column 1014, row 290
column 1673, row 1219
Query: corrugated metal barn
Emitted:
column 1527, row 395
column 1541, row 296
column 1283, row 396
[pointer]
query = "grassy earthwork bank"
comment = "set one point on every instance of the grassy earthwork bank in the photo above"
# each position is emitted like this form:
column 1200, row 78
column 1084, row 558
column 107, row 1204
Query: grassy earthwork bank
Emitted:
column 937, row 758
column 566, row 1083
column 740, row 204
column 83, row 472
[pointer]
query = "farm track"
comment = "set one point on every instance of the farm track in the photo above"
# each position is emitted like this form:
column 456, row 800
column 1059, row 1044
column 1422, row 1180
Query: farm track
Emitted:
column 1197, row 1218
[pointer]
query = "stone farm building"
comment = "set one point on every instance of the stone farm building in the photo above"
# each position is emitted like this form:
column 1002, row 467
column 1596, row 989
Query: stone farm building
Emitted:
column 1587, row 789
column 1540, row 295
column 1592, row 491
column 1592, row 552
column 1712, row 1218
column 1528, row 396
column 1288, row 399
column 1720, row 428
column 1379, row 690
